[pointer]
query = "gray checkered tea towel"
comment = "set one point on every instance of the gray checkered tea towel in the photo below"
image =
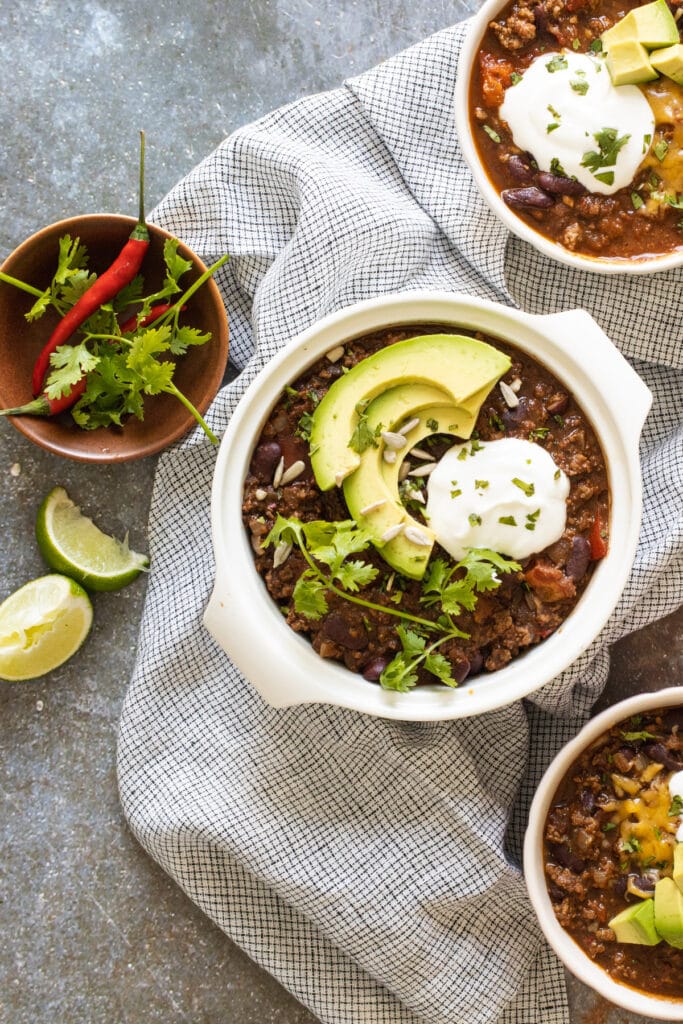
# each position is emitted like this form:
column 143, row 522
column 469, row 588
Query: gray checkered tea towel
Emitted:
column 371, row 866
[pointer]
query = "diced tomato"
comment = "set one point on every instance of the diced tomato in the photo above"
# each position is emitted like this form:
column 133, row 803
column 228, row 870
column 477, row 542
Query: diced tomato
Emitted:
column 596, row 540
column 496, row 76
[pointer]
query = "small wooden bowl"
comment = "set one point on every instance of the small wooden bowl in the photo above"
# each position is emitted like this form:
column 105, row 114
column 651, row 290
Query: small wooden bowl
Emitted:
column 198, row 375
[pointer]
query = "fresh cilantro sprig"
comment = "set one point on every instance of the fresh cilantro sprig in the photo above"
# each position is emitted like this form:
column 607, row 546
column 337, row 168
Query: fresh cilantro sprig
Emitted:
column 453, row 589
column 327, row 547
column 120, row 370
column 609, row 145
column 363, row 436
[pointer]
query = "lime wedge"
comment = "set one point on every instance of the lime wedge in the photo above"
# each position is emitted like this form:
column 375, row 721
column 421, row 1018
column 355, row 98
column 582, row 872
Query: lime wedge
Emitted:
column 41, row 625
column 71, row 543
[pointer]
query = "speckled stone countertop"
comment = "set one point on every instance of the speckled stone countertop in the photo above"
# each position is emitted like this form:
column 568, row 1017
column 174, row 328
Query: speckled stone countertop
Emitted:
column 92, row 929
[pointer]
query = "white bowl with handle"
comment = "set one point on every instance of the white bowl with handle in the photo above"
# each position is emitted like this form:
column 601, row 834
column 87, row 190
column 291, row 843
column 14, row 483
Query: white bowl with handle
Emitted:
column 247, row 623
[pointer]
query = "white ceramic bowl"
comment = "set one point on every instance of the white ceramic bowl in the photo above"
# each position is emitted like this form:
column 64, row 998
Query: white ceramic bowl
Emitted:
column 569, row 951
column 603, row 265
column 246, row 621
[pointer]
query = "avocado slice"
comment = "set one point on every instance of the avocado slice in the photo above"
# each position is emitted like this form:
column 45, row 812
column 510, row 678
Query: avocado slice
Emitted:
column 678, row 865
column 669, row 62
column 652, row 25
column 636, row 924
column 376, row 480
column 669, row 912
column 459, row 366
column 628, row 63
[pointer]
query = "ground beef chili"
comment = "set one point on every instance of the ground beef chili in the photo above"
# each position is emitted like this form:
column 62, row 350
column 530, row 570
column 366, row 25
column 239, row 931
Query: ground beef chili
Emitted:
column 557, row 206
column 527, row 607
column 609, row 834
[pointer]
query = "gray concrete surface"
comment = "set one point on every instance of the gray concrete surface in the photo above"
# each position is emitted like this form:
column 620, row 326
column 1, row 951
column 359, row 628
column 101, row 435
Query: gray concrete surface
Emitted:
column 92, row 930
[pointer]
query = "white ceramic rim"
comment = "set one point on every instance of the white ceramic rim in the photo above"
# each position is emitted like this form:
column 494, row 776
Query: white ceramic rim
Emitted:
column 569, row 952
column 594, row 264
column 241, row 613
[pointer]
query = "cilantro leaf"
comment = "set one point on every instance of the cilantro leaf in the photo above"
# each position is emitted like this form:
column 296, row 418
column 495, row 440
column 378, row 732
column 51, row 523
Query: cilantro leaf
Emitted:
column 440, row 667
column 609, row 145
column 309, row 596
column 363, row 437
column 184, row 337
column 69, row 363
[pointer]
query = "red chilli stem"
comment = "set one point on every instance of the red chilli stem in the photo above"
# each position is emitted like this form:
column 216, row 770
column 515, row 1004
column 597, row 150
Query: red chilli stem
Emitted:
column 106, row 287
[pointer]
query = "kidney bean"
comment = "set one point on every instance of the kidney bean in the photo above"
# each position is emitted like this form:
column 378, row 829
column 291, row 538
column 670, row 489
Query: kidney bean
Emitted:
column 520, row 169
column 579, row 559
column 476, row 663
column 511, row 417
column 374, row 668
column 566, row 859
column 529, row 198
column 557, row 404
column 588, row 801
column 659, row 753
column 264, row 460
column 351, row 635
column 559, row 185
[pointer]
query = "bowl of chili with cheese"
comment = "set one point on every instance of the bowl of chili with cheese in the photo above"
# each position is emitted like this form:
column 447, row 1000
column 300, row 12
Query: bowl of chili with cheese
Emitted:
column 600, row 853
column 294, row 557
column 588, row 172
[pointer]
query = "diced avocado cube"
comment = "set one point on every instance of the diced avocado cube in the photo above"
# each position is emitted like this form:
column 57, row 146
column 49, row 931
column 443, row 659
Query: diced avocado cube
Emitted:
column 629, row 64
column 669, row 912
column 678, row 865
column 655, row 25
column 636, row 924
column 624, row 31
column 669, row 62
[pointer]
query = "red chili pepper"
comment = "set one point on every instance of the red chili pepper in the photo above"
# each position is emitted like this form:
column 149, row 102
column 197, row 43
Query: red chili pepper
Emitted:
column 596, row 540
column 109, row 284
column 44, row 406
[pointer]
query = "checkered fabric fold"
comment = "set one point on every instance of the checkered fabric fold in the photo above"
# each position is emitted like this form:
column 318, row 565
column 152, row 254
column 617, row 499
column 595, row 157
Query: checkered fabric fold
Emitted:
column 371, row 866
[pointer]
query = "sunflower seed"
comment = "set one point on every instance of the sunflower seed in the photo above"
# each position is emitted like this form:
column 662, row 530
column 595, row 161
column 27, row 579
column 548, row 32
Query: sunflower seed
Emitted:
column 415, row 494
column 516, row 384
column 417, row 536
column 392, row 440
column 508, row 394
column 392, row 532
column 373, row 507
column 389, row 455
column 420, row 453
column 403, row 471
column 335, row 354
column 390, row 582
column 423, row 470
column 260, row 494
column 279, row 470
column 281, row 554
column 292, row 472
column 410, row 425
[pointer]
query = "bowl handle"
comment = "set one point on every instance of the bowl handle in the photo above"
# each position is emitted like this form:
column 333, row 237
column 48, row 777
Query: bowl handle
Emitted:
column 263, row 668
column 622, row 390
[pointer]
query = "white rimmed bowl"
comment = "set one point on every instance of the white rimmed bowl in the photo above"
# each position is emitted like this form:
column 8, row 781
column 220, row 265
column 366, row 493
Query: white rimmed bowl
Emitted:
column 569, row 952
column 283, row 666
column 597, row 264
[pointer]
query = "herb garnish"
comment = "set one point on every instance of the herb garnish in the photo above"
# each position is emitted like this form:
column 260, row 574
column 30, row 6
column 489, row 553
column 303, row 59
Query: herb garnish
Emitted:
column 515, row 78
column 660, row 149
column 491, row 133
column 528, row 489
column 557, row 63
column 557, row 168
column 676, row 808
column 642, row 735
column 636, row 201
column 507, row 520
column 609, row 144
column 363, row 437
column 579, row 85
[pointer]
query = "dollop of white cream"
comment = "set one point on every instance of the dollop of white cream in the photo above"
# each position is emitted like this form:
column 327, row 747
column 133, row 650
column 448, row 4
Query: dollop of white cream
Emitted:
column 562, row 102
column 507, row 495
column 676, row 789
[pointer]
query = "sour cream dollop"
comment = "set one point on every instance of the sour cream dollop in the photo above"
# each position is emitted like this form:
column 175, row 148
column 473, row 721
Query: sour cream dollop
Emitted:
column 507, row 495
column 560, row 110
column 676, row 789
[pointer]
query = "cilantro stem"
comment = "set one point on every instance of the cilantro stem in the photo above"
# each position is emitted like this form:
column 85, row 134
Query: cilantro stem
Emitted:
column 171, row 389
column 427, row 623
column 21, row 284
column 176, row 307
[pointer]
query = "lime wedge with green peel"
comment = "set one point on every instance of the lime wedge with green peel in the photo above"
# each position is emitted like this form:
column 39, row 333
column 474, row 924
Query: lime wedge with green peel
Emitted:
column 41, row 625
column 71, row 543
